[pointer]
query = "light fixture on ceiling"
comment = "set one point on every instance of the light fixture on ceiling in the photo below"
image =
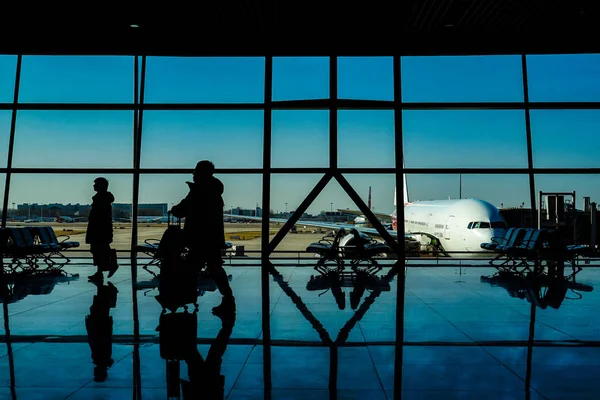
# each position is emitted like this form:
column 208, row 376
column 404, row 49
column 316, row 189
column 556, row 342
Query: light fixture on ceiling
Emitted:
column 134, row 26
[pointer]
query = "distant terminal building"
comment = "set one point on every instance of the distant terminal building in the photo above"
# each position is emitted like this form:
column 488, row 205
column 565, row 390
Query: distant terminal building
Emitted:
column 120, row 210
column 248, row 212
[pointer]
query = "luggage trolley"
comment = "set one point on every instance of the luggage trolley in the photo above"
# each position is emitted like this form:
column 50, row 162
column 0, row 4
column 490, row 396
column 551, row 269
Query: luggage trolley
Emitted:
column 177, row 289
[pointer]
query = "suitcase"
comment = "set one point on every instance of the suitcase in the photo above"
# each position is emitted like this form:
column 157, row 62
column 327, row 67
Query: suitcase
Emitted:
column 177, row 335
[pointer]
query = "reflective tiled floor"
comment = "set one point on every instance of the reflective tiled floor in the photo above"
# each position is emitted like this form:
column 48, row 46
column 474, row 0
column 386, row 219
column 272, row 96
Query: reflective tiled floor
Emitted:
column 463, row 339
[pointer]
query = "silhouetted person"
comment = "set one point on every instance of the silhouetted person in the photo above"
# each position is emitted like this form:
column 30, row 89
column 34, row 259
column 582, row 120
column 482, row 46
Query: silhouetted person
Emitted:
column 99, row 233
column 204, row 233
column 205, row 378
column 99, row 326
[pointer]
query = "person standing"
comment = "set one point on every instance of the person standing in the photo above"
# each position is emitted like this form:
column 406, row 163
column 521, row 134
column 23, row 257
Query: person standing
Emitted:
column 99, row 233
column 203, row 231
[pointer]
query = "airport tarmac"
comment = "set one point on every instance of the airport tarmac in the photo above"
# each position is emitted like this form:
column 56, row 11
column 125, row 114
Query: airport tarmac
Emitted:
column 235, row 233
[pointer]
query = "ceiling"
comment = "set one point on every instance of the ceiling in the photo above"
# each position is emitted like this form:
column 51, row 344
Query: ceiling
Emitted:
column 235, row 27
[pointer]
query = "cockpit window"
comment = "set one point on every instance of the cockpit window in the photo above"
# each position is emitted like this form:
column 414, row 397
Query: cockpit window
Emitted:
column 487, row 225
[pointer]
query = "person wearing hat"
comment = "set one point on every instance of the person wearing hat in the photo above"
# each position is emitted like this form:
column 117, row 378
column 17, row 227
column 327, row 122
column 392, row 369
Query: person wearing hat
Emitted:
column 203, row 231
column 99, row 234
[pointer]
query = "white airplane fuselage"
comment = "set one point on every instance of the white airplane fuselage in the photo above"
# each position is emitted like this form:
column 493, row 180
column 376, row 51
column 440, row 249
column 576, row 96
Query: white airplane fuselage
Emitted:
column 459, row 225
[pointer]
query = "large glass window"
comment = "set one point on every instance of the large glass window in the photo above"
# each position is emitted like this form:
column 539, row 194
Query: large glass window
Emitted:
column 321, row 297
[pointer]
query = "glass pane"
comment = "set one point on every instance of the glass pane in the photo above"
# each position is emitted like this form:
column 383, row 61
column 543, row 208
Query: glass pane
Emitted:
column 488, row 187
column 83, row 139
column 366, row 138
column 205, row 80
column 462, row 79
column 8, row 71
column 242, row 194
column 366, row 78
column 76, row 79
column 300, row 78
column 565, row 138
column 376, row 190
column 64, row 200
column 564, row 77
column 5, row 119
column 300, row 139
column 465, row 139
column 179, row 139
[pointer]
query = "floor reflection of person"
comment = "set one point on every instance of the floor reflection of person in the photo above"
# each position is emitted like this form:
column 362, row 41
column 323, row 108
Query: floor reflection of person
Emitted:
column 205, row 378
column 204, row 233
column 99, row 326
column 99, row 234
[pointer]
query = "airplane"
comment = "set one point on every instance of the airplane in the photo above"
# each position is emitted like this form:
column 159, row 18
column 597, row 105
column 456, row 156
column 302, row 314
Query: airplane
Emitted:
column 62, row 218
column 455, row 227
column 145, row 219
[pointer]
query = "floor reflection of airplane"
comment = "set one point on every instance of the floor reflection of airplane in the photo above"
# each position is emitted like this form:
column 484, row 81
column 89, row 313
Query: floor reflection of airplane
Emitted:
column 453, row 226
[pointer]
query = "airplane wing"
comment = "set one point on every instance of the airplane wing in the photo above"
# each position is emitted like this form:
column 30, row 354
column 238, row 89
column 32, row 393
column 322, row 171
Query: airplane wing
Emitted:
column 359, row 213
column 321, row 224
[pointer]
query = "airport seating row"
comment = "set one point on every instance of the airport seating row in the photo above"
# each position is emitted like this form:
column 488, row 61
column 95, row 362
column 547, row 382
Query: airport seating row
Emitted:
column 522, row 245
column 26, row 247
column 150, row 249
column 354, row 246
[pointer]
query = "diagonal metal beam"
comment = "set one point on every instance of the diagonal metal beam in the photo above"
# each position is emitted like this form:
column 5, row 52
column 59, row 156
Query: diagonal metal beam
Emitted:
column 394, row 245
column 299, row 211
column 300, row 305
column 344, row 332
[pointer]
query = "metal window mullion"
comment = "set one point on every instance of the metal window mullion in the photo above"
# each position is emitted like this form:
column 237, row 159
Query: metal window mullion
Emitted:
column 139, row 86
column 265, row 228
column 11, row 142
column 534, row 215
column 333, row 114
column 530, row 165
column 401, row 254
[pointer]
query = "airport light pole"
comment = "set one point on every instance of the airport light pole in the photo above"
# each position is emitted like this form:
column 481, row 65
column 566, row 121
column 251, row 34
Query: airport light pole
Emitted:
column 286, row 208
column 331, row 207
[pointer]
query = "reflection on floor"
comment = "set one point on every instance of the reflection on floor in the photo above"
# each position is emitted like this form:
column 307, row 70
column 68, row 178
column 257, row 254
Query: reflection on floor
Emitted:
column 465, row 338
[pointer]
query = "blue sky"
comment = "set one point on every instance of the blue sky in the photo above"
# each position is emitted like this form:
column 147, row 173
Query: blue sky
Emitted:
column 233, row 139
